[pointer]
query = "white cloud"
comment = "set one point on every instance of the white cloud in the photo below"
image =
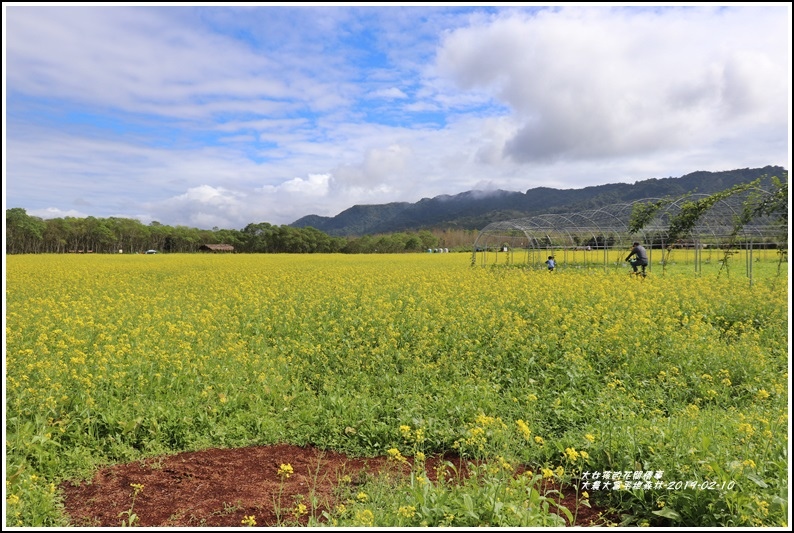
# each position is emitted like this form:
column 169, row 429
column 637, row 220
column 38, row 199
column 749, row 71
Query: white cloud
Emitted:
column 223, row 117
column 315, row 185
column 53, row 212
column 390, row 93
column 604, row 83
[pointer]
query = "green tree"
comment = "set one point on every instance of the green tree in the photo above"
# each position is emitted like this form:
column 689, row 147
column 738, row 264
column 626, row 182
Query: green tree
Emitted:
column 24, row 233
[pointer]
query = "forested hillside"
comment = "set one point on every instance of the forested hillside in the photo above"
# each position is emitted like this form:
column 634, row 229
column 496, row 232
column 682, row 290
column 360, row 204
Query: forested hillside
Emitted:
column 444, row 221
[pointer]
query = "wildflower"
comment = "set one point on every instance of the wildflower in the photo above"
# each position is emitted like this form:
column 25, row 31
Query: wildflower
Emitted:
column 559, row 471
column 365, row 518
column 395, row 455
column 362, row 496
column 300, row 510
column 137, row 488
column 762, row 394
column 341, row 509
column 547, row 473
column 572, row 454
column 539, row 440
column 747, row 428
column 585, row 494
column 590, row 437
column 523, row 428
column 405, row 431
column 249, row 521
column 420, row 456
column 12, row 499
column 285, row 471
column 749, row 463
column 763, row 506
column 408, row 511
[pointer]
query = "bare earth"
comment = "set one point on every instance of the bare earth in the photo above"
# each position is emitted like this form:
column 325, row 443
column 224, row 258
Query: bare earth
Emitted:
column 220, row 487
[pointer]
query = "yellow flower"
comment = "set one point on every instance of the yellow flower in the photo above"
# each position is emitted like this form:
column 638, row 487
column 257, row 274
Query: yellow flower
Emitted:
column 503, row 464
column 362, row 496
column 547, row 473
column 365, row 518
column 249, row 521
column 539, row 439
column 408, row 511
column 137, row 488
column 762, row 394
column 285, row 471
column 300, row 510
column 590, row 437
column 571, row 454
column 12, row 499
column 747, row 428
column 523, row 428
column 395, row 455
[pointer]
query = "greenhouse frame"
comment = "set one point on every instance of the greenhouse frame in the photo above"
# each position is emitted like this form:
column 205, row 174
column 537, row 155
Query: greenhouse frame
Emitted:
column 602, row 238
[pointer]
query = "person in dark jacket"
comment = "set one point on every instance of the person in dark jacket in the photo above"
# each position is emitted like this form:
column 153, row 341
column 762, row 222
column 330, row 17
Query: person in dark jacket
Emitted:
column 640, row 259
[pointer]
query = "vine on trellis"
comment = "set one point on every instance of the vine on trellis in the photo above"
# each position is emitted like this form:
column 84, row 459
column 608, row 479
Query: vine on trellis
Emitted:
column 772, row 203
column 643, row 213
column 758, row 203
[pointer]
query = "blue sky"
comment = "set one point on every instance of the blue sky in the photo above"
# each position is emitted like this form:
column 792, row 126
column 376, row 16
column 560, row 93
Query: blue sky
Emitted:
column 221, row 116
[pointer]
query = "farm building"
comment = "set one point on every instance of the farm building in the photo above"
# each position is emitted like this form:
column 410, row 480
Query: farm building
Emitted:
column 216, row 248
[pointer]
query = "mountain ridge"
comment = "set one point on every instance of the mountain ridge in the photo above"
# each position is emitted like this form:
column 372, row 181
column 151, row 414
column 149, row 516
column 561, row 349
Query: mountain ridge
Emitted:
column 475, row 209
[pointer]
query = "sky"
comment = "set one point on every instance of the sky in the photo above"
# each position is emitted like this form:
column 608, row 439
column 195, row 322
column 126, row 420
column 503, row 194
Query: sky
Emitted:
column 220, row 116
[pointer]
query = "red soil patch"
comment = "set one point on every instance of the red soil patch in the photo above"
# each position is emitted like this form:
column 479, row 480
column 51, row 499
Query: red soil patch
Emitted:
column 219, row 487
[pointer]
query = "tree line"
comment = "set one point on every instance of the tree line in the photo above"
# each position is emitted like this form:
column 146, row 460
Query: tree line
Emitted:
column 26, row 234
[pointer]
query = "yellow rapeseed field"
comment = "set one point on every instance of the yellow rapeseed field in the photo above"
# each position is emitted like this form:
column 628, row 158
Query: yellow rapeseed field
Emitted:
column 110, row 358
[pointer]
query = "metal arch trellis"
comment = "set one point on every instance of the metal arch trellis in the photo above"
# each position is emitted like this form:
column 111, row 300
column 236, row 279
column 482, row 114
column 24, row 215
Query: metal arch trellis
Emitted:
column 606, row 229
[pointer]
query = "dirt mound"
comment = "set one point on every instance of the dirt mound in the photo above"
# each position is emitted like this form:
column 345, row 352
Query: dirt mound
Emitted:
column 220, row 487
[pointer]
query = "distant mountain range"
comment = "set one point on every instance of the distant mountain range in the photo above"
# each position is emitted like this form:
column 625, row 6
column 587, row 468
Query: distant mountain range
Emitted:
column 476, row 209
